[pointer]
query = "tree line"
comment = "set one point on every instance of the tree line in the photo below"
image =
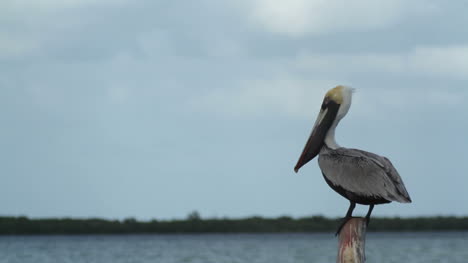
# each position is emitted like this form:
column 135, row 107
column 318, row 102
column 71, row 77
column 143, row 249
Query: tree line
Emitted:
column 195, row 224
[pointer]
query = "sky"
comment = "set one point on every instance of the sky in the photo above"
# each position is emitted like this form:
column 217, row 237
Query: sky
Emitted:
column 153, row 109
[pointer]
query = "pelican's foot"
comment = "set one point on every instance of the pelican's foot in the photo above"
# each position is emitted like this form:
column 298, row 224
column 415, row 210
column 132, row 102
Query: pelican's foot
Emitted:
column 343, row 222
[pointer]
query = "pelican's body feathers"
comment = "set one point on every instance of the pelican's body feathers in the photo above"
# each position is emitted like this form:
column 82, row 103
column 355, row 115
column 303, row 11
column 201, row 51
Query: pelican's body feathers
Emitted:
column 361, row 176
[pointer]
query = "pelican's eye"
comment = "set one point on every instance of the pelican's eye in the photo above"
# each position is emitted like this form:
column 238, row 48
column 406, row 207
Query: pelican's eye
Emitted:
column 325, row 103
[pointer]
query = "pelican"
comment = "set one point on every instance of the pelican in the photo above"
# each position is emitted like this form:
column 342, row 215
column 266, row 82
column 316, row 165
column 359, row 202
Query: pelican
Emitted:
column 361, row 177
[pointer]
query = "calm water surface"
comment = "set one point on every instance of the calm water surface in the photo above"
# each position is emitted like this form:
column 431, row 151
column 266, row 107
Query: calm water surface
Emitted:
column 252, row 248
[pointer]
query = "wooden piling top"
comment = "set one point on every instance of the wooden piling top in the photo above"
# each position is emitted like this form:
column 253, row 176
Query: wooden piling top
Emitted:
column 352, row 239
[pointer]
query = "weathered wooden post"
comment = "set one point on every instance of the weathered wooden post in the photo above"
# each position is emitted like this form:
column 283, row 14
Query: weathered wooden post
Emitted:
column 352, row 240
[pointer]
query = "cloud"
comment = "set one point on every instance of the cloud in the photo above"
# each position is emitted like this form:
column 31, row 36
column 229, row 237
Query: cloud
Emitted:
column 371, row 102
column 451, row 60
column 299, row 87
column 31, row 5
column 301, row 17
column 281, row 95
column 45, row 28
column 295, row 86
column 445, row 61
column 12, row 45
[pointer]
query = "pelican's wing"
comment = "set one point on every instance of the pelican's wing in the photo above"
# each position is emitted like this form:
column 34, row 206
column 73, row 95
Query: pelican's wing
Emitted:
column 363, row 173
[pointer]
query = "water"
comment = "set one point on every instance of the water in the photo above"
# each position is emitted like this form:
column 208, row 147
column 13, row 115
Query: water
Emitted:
column 219, row 248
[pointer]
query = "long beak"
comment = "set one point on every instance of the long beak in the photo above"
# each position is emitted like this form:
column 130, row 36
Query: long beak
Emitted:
column 316, row 140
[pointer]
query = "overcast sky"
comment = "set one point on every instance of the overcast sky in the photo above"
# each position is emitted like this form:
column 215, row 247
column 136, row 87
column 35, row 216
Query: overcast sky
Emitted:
column 152, row 109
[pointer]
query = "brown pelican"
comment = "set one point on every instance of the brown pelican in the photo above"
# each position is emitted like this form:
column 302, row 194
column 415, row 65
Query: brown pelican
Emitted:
column 359, row 176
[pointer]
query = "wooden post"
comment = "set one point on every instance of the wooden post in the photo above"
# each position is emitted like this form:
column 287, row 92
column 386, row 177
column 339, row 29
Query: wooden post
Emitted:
column 352, row 241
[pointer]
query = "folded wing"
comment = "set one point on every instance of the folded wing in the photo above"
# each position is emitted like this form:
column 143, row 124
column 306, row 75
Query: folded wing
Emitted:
column 363, row 173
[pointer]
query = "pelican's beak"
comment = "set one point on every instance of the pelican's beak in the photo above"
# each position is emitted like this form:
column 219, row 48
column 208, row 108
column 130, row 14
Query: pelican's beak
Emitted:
column 323, row 123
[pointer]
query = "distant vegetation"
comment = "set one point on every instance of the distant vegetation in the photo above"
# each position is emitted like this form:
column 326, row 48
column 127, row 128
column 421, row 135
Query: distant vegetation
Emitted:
column 195, row 224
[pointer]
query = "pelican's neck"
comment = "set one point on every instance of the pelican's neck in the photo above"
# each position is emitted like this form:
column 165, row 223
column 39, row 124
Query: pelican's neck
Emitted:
column 344, row 108
column 330, row 137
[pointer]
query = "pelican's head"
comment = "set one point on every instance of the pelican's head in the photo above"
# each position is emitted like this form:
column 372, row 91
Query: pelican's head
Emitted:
column 334, row 107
